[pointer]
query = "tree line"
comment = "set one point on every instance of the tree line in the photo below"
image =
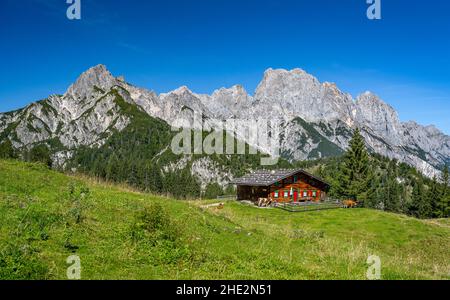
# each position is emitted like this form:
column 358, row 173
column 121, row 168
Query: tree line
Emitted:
column 136, row 157
column 39, row 153
column 386, row 184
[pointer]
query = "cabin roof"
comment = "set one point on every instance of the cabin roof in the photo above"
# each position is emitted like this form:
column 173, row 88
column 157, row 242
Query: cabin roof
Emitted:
column 270, row 177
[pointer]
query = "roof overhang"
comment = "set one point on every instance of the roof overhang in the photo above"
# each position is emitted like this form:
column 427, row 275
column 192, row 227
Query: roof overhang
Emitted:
column 287, row 175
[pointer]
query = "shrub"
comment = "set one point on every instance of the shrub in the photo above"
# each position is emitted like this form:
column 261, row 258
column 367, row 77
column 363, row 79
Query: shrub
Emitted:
column 153, row 224
column 160, row 238
column 78, row 197
column 213, row 190
column 40, row 153
column 68, row 243
column 7, row 150
column 19, row 261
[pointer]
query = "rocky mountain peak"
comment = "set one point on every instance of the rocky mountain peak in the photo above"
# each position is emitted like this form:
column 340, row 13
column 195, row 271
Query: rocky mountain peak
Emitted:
column 369, row 96
column 330, row 85
column 380, row 117
column 279, row 85
column 433, row 130
column 236, row 92
column 228, row 102
column 181, row 91
column 297, row 74
column 318, row 118
column 96, row 77
column 370, row 101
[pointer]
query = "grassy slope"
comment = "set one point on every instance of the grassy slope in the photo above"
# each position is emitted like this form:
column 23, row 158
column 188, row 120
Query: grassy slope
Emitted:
column 38, row 233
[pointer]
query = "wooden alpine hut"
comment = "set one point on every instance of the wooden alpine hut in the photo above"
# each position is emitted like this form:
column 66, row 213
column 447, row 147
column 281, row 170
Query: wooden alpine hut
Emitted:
column 281, row 186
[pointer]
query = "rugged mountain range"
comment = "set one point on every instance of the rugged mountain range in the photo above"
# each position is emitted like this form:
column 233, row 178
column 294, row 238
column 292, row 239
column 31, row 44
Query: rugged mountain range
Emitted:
column 316, row 119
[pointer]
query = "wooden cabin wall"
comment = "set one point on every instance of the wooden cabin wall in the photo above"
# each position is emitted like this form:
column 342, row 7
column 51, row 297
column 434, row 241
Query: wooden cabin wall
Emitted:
column 301, row 185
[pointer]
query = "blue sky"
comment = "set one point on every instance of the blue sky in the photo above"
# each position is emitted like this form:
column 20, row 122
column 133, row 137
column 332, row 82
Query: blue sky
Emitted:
column 207, row 44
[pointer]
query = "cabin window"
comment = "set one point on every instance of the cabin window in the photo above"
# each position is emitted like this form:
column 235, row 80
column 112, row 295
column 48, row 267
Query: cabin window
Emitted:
column 286, row 194
column 295, row 178
column 305, row 194
column 314, row 194
column 276, row 194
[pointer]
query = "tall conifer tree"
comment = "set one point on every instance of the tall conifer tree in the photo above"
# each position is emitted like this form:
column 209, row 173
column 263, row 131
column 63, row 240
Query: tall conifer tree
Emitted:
column 7, row 150
column 444, row 205
column 417, row 198
column 355, row 171
column 433, row 200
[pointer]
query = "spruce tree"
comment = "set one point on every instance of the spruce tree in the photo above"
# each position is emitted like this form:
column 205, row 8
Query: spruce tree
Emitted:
column 433, row 200
column 374, row 196
column 155, row 182
column 391, row 189
column 7, row 150
column 417, row 199
column 445, row 180
column 442, row 205
column 355, row 172
column 40, row 153
column 112, row 168
column 446, row 206
column 212, row 191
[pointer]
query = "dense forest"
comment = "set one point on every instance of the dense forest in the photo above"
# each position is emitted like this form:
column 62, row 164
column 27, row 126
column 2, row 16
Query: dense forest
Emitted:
column 382, row 183
column 139, row 156
column 131, row 157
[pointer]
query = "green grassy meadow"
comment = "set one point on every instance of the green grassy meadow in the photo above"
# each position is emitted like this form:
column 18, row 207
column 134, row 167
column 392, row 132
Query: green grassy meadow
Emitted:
column 118, row 233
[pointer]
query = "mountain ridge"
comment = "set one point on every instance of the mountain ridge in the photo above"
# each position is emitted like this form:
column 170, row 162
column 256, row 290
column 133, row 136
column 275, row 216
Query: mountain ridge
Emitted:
column 87, row 115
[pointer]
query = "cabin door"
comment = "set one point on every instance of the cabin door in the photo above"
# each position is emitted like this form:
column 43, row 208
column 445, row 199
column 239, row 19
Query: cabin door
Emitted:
column 295, row 195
